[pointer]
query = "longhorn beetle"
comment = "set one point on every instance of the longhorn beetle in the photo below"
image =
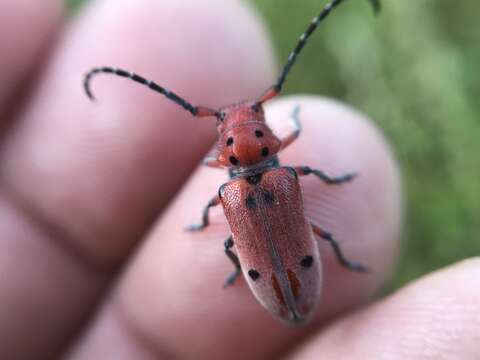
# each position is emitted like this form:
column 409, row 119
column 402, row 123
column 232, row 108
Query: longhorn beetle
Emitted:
column 274, row 242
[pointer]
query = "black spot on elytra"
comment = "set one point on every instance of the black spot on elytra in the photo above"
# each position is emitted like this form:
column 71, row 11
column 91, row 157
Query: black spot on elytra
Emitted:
column 254, row 179
column 307, row 261
column 268, row 197
column 229, row 141
column 258, row 133
column 250, row 202
column 265, row 152
column 233, row 160
column 254, row 274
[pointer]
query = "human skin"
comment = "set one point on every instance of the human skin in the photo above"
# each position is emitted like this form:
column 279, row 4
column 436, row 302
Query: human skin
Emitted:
column 94, row 261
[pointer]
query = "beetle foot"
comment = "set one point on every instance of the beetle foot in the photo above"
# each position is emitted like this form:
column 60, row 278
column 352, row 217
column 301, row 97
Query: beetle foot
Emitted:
column 347, row 177
column 354, row 266
column 231, row 278
column 339, row 180
column 195, row 227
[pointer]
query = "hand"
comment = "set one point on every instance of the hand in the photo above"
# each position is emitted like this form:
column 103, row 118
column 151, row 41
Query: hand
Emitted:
column 94, row 262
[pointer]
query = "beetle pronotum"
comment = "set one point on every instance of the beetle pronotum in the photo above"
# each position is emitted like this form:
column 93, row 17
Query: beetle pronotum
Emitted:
column 274, row 243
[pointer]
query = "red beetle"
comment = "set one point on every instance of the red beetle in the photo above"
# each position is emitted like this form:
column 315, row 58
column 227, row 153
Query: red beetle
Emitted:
column 274, row 242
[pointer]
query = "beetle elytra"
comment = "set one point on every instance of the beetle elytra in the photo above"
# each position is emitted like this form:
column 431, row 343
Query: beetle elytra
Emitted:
column 274, row 242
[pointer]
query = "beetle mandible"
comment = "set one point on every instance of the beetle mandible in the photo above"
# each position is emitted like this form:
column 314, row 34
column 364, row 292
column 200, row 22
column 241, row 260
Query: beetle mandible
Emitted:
column 274, row 243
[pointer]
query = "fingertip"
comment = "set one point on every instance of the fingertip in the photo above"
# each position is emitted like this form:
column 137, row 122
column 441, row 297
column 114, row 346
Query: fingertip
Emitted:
column 202, row 52
column 136, row 147
column 26, row 30
column 364, row 215
column 434, row 317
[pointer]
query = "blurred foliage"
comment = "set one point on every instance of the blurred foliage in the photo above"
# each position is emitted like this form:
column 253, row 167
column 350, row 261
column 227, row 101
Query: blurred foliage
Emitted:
column 413, row 70
column 73, row 4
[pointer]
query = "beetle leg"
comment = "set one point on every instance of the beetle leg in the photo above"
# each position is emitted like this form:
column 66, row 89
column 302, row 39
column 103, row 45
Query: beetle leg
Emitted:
column 205, row 220
column 297, row 127
column 305, row 170
column 351, row 265
column 234, row 259
column 211, row 161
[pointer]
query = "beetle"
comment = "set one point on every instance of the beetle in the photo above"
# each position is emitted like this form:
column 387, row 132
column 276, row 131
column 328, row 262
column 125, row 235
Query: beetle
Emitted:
column 274, row 242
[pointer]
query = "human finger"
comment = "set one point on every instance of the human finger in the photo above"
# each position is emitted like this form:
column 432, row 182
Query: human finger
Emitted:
column 172, row 293
column 435, row 317
column 82, row 182
column 26, row 32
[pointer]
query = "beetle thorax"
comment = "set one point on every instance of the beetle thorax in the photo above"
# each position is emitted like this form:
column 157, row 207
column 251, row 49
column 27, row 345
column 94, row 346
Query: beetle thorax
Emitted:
column 245, row 138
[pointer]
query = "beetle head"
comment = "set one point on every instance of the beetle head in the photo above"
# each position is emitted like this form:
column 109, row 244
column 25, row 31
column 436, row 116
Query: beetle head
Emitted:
column 245, row 138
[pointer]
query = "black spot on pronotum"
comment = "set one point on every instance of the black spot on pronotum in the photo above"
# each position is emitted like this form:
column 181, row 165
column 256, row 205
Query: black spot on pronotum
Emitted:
column 307, row 261
column 265, row 152
column 250, row 202
column 254, row 274
column 229, row 141
column 259, row 133
column 233, row 160
column 268, row 197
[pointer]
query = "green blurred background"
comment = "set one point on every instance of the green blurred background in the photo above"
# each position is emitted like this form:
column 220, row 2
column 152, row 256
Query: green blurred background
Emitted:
column 413, row 69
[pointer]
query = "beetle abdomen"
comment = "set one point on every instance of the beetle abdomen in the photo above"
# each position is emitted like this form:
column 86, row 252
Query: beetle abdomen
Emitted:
column 274, row 242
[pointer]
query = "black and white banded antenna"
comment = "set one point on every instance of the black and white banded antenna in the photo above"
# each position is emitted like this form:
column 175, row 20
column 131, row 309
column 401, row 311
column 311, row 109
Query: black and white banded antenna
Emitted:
column 277, row 87
column 199, row 111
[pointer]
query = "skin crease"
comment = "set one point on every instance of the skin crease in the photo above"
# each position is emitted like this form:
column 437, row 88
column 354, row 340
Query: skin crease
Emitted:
column 99, row 165
column 103, row 182
column 19, row 58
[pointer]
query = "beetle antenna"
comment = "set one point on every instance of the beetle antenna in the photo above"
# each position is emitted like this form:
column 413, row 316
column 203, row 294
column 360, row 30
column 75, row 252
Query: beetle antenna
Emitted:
column 277, row 88
column 198, row 111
